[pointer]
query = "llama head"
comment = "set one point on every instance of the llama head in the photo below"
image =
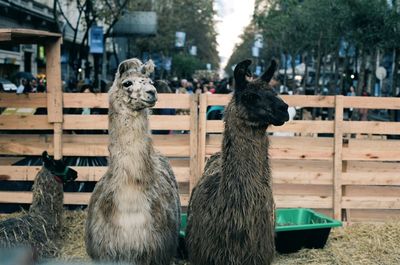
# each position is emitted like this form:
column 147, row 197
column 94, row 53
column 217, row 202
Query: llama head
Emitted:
column 60, row 171
column 132, row 88
column 257, row 102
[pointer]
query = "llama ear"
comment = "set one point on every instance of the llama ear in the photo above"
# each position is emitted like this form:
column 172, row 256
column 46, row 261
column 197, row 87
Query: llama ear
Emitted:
column 123, row 67
column 147, row 68
column 240, row 73
column 267, row 76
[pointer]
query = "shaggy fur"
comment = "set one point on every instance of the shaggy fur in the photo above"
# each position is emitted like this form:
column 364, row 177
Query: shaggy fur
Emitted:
column 40, row 228
column 134, row 211
column 230, row 216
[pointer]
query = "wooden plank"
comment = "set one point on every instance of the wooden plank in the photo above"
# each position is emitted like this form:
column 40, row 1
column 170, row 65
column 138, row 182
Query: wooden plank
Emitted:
column 20, row 36
column 72, row 198
column 365, row 215
column 302, row 165
column 283, row 201
column 28, row 173
column 371, row 127
column 8, row 160
column 174, row 101
column 297, row 100
column 302, row 190
column 92, row 149
column 218, row 99
column 173, row 145
column 100, row 122
column 25, row 144
column 378, row 150
column 379, row 167
column 57, row 142
column 293, row 148
column 85, row 100
column 337, row 159
column 311, row 178
column 309, row 101
column 194, row 141
column 371, row 178
column 5, row 36
column 202, row 132
column 371, row 202
column 310, row 172
column 24, row 122
column 302, row 126
column 53, row 75
column 371, row 102
column 287, row 147
column 371, row 154
column 100, row 100
column 30, row 100
column 366, row 191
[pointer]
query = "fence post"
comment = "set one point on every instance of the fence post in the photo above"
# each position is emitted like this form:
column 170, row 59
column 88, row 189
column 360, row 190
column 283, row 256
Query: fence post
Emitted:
column 54, row 93
column 337, row 159
column 194, row 141
column 202, row 133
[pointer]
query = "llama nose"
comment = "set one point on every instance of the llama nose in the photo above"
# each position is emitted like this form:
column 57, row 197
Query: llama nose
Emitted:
column 151, row 95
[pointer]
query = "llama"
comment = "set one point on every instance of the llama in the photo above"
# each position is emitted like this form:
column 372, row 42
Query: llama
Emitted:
column 40, row 228
column 134, row 211
column 230, row 215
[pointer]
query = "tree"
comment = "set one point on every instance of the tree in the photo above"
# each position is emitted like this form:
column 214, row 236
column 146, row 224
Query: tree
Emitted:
column 195, row 18
column 317, row 30
column 88, row 13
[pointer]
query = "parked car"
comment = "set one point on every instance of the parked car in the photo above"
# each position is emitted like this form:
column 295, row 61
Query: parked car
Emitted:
column 7, row 86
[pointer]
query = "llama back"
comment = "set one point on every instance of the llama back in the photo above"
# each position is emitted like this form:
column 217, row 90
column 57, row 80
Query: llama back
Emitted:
column 40, row 227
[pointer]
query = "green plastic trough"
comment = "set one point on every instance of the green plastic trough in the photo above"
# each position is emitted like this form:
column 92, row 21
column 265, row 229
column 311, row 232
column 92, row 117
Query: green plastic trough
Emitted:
column 296, row 228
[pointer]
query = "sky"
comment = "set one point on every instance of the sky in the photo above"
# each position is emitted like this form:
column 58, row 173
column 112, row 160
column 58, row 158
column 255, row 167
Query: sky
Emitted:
column 233, row 17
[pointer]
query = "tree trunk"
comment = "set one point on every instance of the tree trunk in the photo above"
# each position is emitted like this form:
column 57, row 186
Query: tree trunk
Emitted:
column 361, row 75
column 293, row 62
column 285, row 72
column 372, row 82
column 305, row 76
column 394, row 70
column 337, row 72
column 323, row 71
column 318, row 68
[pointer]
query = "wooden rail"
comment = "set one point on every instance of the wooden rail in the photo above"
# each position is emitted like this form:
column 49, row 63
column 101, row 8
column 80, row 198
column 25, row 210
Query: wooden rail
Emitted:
column 335, row 166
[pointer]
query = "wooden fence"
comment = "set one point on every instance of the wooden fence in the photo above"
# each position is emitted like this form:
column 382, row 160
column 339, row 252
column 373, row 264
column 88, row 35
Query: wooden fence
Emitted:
column 335, row 166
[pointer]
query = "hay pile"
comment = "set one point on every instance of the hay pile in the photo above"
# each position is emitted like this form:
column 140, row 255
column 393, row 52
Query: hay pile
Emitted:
column 359, row 244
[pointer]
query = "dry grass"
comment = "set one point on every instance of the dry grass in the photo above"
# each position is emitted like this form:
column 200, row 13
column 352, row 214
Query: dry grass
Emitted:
column 359, row 244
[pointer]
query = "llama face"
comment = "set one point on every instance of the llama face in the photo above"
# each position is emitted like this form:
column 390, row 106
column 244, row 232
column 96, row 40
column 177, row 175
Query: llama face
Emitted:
column 139, row 92
column 134, row 87
column 257, row 102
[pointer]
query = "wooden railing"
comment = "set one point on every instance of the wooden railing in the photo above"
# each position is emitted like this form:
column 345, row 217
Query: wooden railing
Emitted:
column 338, row 167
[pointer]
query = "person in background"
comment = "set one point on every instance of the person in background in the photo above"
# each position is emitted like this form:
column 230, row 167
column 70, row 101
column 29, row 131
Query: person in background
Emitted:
column 162, row 88
column 183, row 87
column 364, row 112
column 33, row 84
column 351, row 92
column 86, row 89
column 21, row 87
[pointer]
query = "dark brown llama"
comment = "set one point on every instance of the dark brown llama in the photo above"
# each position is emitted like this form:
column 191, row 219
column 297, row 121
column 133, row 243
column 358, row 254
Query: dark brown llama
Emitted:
column 231, row 210
column 40, row 228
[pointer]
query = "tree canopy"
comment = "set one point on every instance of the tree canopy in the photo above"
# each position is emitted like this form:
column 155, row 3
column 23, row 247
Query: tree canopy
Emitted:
column 321, row 30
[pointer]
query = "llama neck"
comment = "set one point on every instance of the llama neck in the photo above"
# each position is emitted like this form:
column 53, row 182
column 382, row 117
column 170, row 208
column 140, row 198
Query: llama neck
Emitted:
column 244, row 150
column 131, row 150
column 47, row 198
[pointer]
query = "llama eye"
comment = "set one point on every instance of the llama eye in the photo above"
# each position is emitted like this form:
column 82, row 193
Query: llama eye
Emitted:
column 127, row 83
